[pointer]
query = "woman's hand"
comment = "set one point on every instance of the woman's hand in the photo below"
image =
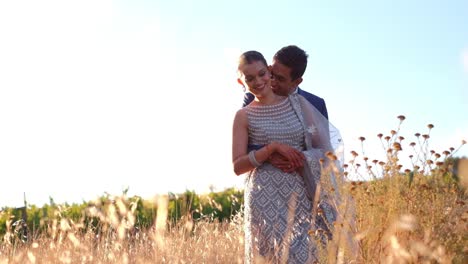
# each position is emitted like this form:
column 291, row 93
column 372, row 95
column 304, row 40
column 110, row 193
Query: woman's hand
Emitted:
column 286, row 158
column 280, row 162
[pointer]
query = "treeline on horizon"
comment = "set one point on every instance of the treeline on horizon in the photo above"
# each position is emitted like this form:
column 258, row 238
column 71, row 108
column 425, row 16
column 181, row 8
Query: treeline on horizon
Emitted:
column 33, row 220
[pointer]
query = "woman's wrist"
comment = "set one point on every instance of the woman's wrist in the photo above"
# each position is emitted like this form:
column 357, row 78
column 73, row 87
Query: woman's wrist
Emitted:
column 271, row 148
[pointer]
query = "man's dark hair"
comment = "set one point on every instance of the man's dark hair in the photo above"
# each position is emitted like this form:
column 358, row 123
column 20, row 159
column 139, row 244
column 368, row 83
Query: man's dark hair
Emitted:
column 294, row 58
column 251, row 56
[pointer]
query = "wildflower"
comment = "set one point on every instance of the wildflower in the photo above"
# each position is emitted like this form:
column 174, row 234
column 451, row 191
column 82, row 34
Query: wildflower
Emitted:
column 401, row 117
column 381, row 163
column 446, row 152
column 429, row 162
column 425, row 136
column 392, row 132
column 375, row 161
column 366, row 158
column 452, row 149
column 417, row 134
column 439, row 163
column 412, row 144
column 397, row 146
column 432, row 151
column 354, row 153
column 463, row 142
column 430, row 126
column 387, row 138
column 410, row 156
column 380, row 135
column 401, row 138
column 407, row 171
column 362, row 138
column 437, row 155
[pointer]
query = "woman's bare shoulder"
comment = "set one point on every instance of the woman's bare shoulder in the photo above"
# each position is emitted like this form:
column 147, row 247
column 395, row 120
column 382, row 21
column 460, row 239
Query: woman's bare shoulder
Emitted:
column 241, row 116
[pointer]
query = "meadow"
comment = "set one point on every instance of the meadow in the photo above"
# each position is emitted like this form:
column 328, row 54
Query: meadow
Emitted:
column 396, row 215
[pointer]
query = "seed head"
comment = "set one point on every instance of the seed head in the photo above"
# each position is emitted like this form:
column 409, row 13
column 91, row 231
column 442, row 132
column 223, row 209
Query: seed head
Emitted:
column 401, row 138
column 354, row 153
column 392, row 132
column 452, row 149
column 397, row 146
column 446, row 152
column 362, row 138
column 401, row 117
column 412, row 144
column 387, row 138
column 417, row 134
column 430, row 126
column 463, row 142
column 425, row 136
column 375, row 161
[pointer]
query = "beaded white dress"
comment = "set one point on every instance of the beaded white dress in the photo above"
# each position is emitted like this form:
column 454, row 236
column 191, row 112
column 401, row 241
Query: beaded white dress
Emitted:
column 278, row 212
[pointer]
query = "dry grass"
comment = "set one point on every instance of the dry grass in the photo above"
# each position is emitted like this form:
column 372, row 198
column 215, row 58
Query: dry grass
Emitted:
column 417, row 215
column 116, row 240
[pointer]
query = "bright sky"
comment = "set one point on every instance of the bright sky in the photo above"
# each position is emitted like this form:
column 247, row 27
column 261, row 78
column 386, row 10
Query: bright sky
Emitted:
column 97, row 96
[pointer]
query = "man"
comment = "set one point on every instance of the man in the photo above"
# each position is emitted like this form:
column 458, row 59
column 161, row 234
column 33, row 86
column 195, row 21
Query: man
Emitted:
column 289, row 64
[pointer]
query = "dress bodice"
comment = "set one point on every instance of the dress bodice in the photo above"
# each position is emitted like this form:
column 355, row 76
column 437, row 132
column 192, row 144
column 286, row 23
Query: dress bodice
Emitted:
column 268, row 123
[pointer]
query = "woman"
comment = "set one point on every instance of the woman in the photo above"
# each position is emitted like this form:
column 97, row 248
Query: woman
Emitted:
column 279, row 204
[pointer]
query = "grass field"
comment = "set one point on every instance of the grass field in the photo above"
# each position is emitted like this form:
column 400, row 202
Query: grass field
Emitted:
column 416, row 215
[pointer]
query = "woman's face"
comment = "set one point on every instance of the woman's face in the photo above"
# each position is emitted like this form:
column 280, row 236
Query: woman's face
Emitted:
column 256, row 77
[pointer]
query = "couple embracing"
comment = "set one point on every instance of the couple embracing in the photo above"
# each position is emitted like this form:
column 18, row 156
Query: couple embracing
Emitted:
column 283, row 141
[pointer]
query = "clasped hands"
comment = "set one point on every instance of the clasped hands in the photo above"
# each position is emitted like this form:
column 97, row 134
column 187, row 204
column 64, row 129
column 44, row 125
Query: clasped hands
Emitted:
column 287, row 159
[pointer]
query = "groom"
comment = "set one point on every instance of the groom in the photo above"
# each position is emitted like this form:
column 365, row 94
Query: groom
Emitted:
column 289, row 64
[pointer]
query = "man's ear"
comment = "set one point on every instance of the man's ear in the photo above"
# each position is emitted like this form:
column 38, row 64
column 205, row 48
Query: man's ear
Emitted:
column 297, row 81
column 240, row 82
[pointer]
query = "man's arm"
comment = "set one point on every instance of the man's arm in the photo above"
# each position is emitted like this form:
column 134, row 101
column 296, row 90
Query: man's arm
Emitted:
column 248, row 98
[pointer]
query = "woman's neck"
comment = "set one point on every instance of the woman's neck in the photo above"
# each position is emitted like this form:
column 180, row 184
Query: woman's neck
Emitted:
column 270, row 99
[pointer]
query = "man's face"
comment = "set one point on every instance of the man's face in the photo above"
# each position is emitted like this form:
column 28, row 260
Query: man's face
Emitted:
column 281, row 82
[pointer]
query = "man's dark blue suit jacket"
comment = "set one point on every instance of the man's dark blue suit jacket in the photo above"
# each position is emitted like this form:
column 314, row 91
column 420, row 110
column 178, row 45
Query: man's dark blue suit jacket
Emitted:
column 316, row 101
